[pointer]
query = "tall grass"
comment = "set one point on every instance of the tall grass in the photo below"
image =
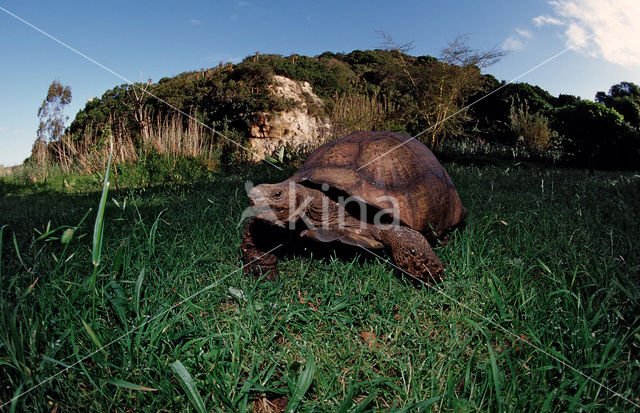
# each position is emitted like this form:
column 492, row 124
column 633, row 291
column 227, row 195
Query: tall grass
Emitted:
column 7, row 170
column 168, row 135
column 358, row 112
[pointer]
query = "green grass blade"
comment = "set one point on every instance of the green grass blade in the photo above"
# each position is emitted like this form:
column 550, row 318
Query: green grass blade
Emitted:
column 304, row 382
column 16, row 395
column 188, row 385
column 115, row 303
column 128, row 385
column 220, row 392
column 365, row 403
column 422, row 406
column 272, row 370
column 1, row 236
column 138, row 290
column 496, row 375
column 52, row 360
column 98, row 229
column 348, row 400
column 152, row 234
column 92, row 334
column 15, row 245
column 80, row 360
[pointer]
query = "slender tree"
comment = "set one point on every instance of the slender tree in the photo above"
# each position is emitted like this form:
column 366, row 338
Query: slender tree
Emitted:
column 138, row 98
column 52, row 118
column 52, row 121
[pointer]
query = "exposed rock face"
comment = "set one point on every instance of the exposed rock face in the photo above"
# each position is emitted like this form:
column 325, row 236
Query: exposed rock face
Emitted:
column 296, row 128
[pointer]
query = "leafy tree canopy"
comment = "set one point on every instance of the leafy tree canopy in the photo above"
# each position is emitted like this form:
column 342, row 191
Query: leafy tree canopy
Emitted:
column 624, row 97
column 52, row 119
column 597, row 136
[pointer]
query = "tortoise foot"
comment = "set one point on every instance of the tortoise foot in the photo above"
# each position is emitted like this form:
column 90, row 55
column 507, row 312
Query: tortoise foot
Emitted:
column 259, row 249
column 412, row 253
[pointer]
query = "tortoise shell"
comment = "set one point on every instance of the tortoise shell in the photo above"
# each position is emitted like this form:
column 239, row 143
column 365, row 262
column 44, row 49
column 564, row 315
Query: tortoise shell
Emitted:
column 379, row 167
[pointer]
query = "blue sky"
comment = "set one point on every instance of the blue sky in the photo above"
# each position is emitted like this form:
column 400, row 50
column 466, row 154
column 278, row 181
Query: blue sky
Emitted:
column 142, row 40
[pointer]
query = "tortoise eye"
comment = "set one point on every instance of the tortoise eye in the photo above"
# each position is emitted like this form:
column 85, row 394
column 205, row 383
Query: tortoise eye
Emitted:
column 277, row 194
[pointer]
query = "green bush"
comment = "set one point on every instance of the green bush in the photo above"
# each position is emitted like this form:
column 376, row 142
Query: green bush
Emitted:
column 597, row 137
column 162, row 169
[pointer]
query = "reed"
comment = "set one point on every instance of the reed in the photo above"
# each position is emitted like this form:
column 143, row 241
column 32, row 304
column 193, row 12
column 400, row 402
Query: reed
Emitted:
column 170, row 134
column 357, row 112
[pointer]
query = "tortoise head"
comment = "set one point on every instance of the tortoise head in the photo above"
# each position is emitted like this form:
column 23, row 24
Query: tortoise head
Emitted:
column 280, row 203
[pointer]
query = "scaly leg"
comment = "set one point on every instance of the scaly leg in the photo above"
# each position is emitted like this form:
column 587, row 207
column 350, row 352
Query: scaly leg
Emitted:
column 412, row 253
column 258, row 242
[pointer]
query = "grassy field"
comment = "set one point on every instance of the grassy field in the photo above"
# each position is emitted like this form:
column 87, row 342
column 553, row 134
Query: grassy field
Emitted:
column 546, row 270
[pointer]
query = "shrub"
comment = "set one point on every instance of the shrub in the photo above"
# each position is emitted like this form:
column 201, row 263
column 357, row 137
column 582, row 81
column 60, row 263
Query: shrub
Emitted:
column 531, row 128
column 597, row 137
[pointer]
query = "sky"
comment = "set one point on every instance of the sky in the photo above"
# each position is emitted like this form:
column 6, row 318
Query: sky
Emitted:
column 144, row 40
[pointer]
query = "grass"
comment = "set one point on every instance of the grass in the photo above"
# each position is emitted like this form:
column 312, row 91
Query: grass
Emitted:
column 549, row 254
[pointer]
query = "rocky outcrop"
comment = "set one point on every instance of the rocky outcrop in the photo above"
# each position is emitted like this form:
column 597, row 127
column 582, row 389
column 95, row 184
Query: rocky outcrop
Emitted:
column 301, row 127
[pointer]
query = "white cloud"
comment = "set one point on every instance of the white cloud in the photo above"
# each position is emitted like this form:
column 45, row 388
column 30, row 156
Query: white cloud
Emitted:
column 195, row 22
column 525, row 33
column 512, row 44
column 516, row 42
column 576, row 36
column 608, row 29
column 544, row 20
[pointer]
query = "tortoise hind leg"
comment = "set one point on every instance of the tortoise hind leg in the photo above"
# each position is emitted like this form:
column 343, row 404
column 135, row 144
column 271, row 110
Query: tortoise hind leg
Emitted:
column 412, row 253
column 258, row 244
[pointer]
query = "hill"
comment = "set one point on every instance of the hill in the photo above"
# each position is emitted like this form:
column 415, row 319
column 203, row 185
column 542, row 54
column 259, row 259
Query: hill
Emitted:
column 214, row 113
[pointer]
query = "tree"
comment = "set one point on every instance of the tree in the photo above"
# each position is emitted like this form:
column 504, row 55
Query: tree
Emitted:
column 52, row 120
column 625, row 99
column 138, row 105
column 441, row 87
column 493, row 115
column 597, row 136
column 51, row 115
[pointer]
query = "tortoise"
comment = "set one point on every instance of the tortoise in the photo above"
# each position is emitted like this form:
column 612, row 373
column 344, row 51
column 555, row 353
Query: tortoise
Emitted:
column 375, row 190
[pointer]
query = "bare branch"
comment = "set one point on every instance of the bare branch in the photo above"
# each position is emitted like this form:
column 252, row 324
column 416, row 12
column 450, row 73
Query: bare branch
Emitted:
column 460, row 53
column 389, row 44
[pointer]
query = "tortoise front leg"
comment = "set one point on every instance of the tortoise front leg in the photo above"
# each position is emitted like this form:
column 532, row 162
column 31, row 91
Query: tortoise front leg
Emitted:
column 258, row 254
column 412, row 253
